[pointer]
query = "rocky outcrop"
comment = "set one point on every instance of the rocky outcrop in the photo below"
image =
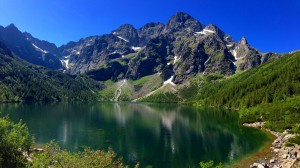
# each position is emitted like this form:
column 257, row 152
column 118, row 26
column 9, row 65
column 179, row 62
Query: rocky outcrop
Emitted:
column 246, row 57
column 150, row 60
column 148, row 32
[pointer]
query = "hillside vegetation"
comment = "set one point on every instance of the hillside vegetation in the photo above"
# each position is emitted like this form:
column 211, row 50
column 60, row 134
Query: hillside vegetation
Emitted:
column 21, row 81
column 270, row 93
column 272, row 82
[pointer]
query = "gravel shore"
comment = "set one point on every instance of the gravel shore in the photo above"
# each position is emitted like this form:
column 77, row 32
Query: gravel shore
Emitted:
column 281, row 157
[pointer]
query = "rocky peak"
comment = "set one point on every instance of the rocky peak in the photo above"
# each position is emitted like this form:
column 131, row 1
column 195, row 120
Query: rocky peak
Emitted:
column 18, row 43
column 11, row 31
column 127, row 33
column 243, row 41
column 12, row 27
column 181, row 17
column 125, row 28
column 183, row 22
column 242, row 49
column 246, row 56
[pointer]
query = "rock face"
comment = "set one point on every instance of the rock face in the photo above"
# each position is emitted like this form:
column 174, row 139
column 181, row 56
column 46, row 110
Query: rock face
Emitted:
column 246, row 56
column 29, row 48
column 45, row 45
column 148, row 32
column 128, row 34
column 182, row 48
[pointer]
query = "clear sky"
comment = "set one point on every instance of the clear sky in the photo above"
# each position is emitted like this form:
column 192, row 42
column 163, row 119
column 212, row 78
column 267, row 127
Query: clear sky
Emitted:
column 268, row 25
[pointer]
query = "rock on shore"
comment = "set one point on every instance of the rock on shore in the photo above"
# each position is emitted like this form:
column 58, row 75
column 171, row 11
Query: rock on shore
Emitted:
column 281, row 154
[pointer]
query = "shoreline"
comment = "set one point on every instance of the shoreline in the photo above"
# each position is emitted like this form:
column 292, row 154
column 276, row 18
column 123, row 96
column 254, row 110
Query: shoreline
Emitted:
column 275, row 152
column 262, row 152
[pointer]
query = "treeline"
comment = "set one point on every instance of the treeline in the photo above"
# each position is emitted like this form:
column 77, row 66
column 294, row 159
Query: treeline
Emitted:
column 21, row 81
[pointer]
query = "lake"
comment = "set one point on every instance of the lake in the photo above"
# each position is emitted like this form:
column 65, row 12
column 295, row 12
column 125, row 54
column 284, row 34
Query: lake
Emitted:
column 155, row 135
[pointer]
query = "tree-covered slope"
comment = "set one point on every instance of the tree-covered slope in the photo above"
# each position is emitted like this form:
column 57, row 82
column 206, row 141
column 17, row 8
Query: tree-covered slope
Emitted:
column 21, row 81
column 269, row 93
column 272, row 82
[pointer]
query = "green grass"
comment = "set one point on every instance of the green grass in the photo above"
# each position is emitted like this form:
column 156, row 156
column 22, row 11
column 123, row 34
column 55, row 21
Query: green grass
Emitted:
column 295, row 140
column 163, row 95
column 133, row 89
column 161, row 98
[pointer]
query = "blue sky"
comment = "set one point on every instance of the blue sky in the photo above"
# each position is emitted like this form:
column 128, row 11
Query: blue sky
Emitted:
column 269, row 25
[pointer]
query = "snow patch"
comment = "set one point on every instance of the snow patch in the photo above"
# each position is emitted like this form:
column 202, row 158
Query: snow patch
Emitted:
column 234, row 53
column 123, row 39
column 136, row 48
column 175, row 59
column 169, row 81
column 229, row 45
column 39, row 49
column 205, row 31
column 66, row 61
column 207, row 61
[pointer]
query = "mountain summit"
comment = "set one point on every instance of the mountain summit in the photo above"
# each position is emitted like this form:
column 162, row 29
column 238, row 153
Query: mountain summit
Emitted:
column 184, row 23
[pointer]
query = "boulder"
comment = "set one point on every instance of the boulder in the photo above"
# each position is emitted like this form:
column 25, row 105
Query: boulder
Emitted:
column 284, row 156
column 272, row 160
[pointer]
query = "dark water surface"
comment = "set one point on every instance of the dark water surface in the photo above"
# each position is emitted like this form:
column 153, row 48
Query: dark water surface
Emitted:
column 157, row 135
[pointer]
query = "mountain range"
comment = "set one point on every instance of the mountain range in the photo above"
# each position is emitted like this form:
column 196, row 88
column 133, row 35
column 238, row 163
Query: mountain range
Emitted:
column 176, row 52
column 183, row 47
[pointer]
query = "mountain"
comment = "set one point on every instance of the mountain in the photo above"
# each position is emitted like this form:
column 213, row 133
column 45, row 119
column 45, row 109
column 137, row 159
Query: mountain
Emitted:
column 29, row 48
column 183, row 47
column 22, row 81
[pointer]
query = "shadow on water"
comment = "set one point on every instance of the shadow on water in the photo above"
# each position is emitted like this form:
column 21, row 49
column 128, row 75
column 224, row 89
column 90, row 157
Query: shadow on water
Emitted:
column 157, row 135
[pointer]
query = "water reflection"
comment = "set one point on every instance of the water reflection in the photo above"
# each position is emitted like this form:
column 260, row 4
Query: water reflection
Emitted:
column 160, row 135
